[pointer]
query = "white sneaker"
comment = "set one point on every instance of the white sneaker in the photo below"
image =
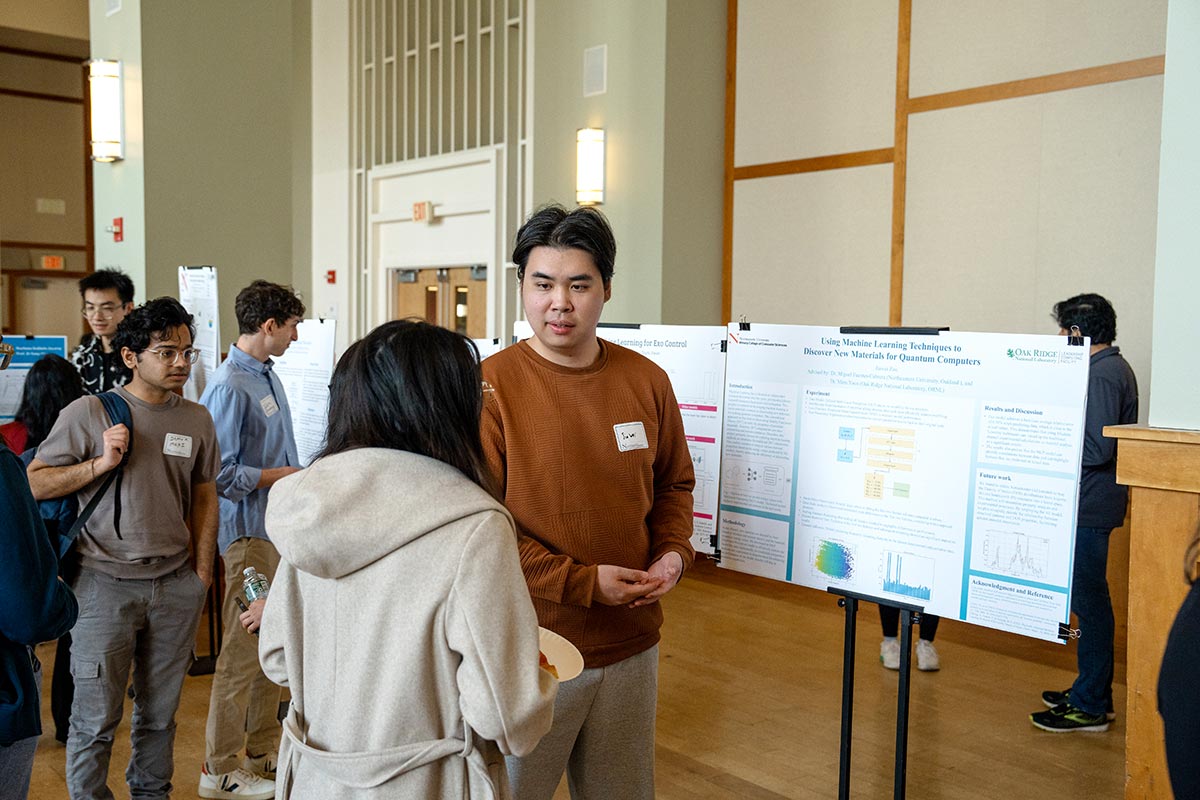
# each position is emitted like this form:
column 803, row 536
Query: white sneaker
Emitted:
column 262, row 766
column 927, row 657
column 889, row 652
column 236, row 785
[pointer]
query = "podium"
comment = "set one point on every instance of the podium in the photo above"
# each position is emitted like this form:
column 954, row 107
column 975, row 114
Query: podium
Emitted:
column 1162, row 468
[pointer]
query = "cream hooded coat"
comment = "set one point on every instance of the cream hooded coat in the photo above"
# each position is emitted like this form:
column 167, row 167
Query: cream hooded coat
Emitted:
column 400, row 621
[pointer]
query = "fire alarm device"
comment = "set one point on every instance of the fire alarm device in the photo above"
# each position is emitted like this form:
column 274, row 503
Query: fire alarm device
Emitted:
column 331, row 276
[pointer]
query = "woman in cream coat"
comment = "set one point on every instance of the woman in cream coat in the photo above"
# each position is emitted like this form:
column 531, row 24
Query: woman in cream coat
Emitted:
column 399, row 617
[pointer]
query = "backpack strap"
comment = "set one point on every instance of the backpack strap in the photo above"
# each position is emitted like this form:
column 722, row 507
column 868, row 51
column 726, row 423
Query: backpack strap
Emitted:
column 118, row 414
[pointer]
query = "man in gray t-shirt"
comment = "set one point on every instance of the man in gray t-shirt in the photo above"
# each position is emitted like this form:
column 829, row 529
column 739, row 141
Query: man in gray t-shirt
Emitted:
column 145, row 570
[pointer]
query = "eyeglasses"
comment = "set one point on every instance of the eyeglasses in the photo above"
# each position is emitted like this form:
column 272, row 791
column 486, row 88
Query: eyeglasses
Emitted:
column 168, row 355
column 106, row 311
column 6, row 354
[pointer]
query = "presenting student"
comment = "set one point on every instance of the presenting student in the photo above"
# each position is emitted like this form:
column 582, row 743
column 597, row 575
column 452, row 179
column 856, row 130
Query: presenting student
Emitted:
column 587, row 446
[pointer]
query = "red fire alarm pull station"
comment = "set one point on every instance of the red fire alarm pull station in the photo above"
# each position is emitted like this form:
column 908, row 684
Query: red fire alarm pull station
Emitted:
column 331, row 276
column 118, row 229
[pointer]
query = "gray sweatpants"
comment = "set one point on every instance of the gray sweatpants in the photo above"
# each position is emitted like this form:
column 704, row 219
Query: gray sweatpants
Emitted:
column 16, row 759
column 149, row 625
column 603, row 736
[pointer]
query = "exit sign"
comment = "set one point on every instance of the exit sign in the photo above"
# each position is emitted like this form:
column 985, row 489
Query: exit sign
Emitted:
column 423, row 212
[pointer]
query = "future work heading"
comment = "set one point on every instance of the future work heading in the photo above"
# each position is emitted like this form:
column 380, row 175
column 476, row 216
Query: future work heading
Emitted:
column 892, row 350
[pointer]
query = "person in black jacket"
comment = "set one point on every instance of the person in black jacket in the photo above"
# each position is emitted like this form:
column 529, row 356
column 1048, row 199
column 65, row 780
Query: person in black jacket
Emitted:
column 1112, row 399
column 35, row 606
column 1178, row 698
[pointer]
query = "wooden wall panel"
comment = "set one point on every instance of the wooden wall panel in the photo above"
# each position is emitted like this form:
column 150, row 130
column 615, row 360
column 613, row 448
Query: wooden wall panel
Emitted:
column 958, row 44
column 814, row 78
column 1015, row 205
column 814, row 246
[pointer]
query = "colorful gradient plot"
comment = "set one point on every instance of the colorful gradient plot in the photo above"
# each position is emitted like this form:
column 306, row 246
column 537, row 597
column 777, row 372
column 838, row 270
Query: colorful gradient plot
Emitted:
column 834, row 559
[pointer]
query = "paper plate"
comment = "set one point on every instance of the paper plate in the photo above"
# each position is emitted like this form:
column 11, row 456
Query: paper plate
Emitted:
column 561, row 653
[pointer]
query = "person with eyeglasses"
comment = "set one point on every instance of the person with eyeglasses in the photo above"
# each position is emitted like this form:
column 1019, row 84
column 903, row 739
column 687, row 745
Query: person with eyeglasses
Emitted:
column 35, row 606
column 140, row 587
column 107, row 297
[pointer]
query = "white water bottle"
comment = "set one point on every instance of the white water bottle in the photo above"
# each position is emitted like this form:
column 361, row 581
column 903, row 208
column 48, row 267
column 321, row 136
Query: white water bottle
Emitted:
column 254, row 585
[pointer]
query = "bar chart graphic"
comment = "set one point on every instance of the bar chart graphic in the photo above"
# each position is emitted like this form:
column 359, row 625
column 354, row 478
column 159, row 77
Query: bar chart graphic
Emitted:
column 908, row 575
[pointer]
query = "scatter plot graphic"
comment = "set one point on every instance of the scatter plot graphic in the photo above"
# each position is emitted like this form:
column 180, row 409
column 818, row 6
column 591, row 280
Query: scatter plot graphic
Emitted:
column 832, row 559
column 1016, row 554
column 909, row 575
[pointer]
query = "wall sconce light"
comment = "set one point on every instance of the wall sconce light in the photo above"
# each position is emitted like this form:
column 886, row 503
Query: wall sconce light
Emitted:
column 589, row 166
column 107, row 109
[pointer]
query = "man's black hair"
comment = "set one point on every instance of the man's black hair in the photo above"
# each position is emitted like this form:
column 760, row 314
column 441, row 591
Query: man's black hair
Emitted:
column 1091, row 313
column 263, row 300
column 158, row 317
column 583, row 228
column 103, row 279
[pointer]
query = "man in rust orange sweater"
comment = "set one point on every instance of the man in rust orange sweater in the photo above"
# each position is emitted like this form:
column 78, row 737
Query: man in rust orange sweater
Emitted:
column 587, row 446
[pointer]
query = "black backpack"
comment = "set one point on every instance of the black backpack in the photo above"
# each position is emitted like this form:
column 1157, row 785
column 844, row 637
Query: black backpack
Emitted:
column 118, row 414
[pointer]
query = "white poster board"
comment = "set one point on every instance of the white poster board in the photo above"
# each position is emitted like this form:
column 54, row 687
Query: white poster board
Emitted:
column 693, row 356
column 26, row 350
column 305, row 371
column 940, row 471
column 488, row 347
column 198, row 294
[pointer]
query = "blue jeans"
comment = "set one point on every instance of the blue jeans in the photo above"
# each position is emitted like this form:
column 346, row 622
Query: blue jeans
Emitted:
column 1092, row 690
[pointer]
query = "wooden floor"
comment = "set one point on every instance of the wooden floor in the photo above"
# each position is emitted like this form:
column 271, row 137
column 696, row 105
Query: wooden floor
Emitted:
column 749, row 707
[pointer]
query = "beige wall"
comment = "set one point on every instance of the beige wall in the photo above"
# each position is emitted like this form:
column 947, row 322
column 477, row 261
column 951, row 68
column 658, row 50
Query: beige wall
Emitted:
column 59, row 17
column 216, row 96
column 663, row 121
column 1177, row 276
column 1008, row 205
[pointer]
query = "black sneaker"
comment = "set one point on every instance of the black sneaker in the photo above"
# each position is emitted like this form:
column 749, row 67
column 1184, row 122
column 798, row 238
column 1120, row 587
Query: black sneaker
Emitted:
column 1052, row 698
column 1066, row 718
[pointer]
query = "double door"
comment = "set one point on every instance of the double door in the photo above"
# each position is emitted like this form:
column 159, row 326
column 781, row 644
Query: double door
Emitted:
column 452, row 297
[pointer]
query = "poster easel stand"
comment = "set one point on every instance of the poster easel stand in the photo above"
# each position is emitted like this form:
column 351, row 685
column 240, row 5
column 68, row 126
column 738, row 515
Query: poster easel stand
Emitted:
column 909, row 615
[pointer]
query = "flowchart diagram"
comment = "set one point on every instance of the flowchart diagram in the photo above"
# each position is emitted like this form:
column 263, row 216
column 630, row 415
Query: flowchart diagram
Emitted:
column 888, row 451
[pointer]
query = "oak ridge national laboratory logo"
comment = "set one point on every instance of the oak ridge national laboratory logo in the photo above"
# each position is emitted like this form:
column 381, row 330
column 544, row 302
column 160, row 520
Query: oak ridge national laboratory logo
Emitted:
column 1033, row 355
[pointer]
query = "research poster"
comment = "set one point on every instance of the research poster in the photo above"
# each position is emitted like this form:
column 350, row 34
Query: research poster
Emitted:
column 198, row 294
column 26, row 350
column 938, row 470
column 693, row 357
column 305, row 371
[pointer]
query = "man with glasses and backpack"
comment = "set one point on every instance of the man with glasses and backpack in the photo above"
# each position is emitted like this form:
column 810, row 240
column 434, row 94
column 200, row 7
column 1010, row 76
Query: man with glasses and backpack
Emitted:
column 146, row 550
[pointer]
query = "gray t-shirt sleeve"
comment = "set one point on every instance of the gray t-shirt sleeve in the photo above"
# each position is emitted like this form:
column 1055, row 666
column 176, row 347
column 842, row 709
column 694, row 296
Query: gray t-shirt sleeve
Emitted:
column 208, row 460
column 73, row 439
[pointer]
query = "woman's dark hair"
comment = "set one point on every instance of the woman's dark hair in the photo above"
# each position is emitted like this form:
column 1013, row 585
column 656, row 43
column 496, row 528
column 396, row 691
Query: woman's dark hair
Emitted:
column 1091, row 313
column 158, row 317
column 583, row 228
column 263, row 300
column 51, row 385
column 409, row 385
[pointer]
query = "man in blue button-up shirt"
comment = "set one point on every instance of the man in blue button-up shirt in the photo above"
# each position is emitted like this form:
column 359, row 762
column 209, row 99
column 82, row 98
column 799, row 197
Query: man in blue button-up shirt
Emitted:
column 258, row 447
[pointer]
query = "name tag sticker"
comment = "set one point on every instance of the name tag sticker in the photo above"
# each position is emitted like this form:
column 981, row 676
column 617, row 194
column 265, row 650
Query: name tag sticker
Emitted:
column 631, row 436
column 176, row 444
column 269, row 406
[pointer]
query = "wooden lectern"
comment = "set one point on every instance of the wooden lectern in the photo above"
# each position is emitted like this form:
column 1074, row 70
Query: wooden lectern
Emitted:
column 1162, row 468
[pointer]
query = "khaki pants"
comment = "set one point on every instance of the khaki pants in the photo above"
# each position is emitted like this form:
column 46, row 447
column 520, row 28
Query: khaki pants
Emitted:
column 243, row 711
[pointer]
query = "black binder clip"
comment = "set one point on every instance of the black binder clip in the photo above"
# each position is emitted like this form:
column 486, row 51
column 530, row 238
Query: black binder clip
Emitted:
column 724, row 346
column 743, row 325
column 1066, row 632
column 1075, row 338
column 716, row 556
